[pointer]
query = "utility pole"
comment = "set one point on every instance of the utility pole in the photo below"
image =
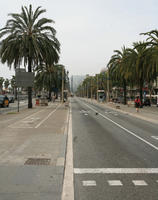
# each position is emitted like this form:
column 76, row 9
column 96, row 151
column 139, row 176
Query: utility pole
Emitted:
column 62, row 85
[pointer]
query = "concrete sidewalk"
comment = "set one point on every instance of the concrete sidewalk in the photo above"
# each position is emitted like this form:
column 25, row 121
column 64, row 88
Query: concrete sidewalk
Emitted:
column 32, row 153
column 146, row 113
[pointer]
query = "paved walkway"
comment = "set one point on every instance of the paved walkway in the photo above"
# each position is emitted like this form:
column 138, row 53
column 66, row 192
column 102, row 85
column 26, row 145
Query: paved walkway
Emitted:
column 146, row 113
column 32, row 153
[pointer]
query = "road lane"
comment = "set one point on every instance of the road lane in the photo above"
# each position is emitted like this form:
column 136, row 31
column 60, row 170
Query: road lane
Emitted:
column 100, row 144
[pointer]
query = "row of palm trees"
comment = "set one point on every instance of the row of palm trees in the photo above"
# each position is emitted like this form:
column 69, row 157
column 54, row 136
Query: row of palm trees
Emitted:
column 49, row 78
column 133, row 67
column 30, row 40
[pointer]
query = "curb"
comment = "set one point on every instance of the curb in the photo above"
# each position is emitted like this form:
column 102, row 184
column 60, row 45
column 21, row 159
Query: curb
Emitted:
column 68, row 187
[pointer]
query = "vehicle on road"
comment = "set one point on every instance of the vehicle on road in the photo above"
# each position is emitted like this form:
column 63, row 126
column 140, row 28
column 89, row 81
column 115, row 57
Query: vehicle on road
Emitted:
column 4, row 101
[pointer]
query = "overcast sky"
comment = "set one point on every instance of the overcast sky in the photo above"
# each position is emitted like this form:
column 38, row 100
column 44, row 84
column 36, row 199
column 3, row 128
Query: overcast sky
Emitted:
column 89, row 30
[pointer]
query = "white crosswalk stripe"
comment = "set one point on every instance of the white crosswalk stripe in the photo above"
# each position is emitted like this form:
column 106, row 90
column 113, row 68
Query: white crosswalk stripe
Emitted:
column 115, row 183
column 139, row 183
column 89, row 183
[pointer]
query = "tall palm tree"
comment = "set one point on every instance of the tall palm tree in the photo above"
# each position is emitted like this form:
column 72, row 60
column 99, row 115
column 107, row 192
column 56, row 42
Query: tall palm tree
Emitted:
column 140, row 59
column 13, row 86
column 119, row 68
column 29, row 39
column 49, row 77
column 6, row 83
column 152, row 43
column 1, row 84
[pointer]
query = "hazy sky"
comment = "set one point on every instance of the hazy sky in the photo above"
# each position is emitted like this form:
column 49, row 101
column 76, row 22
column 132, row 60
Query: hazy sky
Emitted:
column 89, row 30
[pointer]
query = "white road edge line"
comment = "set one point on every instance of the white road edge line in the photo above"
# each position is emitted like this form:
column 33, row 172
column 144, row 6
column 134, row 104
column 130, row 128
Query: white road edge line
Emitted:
column 47, row 116
column 68, row 186
column 130, row 132
column 115, row 170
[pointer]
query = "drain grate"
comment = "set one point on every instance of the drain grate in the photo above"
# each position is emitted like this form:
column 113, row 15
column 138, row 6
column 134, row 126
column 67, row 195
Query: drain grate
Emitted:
column 37, row 161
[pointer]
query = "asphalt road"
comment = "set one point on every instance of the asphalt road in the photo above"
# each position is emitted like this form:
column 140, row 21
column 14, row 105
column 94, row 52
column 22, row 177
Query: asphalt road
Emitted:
column 115, row 155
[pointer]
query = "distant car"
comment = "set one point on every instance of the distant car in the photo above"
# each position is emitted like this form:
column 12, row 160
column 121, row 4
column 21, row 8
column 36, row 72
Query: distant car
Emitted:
column 11, row 98
column 4, row 101
column 147, row 102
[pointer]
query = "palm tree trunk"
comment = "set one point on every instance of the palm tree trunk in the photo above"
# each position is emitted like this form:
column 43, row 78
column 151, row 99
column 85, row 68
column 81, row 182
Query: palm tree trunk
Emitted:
column 141, row 91
column 124, row 91
column 30, row 88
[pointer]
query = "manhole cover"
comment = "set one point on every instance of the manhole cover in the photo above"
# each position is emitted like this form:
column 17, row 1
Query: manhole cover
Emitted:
column 37, row 161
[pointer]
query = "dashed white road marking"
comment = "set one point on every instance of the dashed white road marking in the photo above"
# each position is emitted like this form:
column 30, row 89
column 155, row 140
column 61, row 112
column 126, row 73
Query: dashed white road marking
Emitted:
column 115, row 183
column 89, row 183
column 123, row 128
column 115, row 170
column 139, row 183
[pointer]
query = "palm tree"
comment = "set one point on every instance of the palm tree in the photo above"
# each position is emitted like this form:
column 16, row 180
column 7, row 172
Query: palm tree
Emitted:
column 29, row 40
column 6, row 83
column 13, row 86
column 119, row 69
column 1, row 83
column 152, row 43
column 49, row 77
column 140, row 59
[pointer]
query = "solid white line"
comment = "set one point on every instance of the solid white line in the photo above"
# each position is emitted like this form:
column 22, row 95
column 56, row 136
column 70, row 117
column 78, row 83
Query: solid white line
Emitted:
column 47, row 116
column 89, row 183
column 115, row 170
column 139, row 183
column 68, row 186
column 115, row 183
column 130, row 132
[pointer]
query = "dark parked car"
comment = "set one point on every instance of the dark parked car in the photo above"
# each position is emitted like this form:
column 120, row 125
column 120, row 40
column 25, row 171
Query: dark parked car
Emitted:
column 147, row 102
column 4, row 101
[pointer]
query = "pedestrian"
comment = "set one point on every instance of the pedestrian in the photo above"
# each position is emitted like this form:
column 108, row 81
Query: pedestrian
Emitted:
column 137, row 103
